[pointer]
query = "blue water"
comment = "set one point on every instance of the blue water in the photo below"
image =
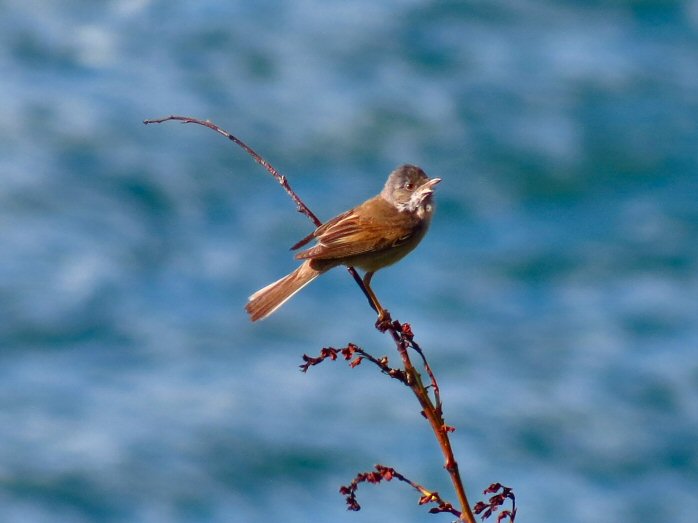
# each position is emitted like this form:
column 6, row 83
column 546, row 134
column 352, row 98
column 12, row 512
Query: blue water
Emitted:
column 556, row 294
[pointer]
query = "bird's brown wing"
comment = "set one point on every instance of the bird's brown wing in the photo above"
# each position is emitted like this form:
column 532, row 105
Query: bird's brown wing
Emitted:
column 374, row 226
column 322, row 228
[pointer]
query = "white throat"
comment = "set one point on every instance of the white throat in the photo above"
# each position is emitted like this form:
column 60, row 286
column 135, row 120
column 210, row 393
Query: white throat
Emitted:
column 419, row 202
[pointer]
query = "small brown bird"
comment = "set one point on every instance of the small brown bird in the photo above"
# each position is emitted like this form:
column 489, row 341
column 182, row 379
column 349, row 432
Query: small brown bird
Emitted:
column 377, row 233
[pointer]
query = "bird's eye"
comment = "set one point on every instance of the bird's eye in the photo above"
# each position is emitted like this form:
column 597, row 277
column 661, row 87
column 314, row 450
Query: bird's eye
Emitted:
column 409, row 186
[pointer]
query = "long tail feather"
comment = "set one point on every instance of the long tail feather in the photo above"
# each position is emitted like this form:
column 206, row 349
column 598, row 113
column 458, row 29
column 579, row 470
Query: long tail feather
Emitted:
column 266, row 300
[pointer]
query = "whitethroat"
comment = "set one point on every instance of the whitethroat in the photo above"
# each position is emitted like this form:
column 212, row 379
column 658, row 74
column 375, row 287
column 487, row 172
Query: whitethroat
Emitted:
column 377, row 233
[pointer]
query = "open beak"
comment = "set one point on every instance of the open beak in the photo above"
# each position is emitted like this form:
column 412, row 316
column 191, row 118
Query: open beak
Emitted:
column 428, row 187
column 433, row 182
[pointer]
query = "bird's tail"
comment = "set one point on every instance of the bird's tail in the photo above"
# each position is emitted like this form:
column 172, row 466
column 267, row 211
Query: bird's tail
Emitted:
column 265, row 301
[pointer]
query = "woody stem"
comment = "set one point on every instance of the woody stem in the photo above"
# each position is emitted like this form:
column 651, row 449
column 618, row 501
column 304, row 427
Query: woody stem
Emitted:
column 433, row 415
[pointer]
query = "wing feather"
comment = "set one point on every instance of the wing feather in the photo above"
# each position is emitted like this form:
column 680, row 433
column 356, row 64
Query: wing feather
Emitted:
column 373, row 226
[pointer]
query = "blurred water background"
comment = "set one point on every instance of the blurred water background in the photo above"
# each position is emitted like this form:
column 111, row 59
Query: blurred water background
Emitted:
column 556, row 294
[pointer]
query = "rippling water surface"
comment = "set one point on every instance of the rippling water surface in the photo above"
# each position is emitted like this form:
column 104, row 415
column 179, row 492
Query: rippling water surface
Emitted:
column 556, row 294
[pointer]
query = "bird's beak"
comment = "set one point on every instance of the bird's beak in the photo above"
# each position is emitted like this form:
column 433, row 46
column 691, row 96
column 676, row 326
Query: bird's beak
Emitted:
column 428, row 187
column 433, row 182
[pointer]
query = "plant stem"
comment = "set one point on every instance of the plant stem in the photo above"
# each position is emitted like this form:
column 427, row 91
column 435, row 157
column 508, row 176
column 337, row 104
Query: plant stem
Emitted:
column 437, row 424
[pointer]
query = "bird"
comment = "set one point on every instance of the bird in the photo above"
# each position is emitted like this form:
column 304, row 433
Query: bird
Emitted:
column 378, row 233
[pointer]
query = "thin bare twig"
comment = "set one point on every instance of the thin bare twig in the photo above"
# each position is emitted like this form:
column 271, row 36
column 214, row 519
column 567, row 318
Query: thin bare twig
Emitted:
column 406, row 331
column 283, row 181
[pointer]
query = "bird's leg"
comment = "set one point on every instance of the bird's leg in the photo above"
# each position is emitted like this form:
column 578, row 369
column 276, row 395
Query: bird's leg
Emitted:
column 373, row 300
